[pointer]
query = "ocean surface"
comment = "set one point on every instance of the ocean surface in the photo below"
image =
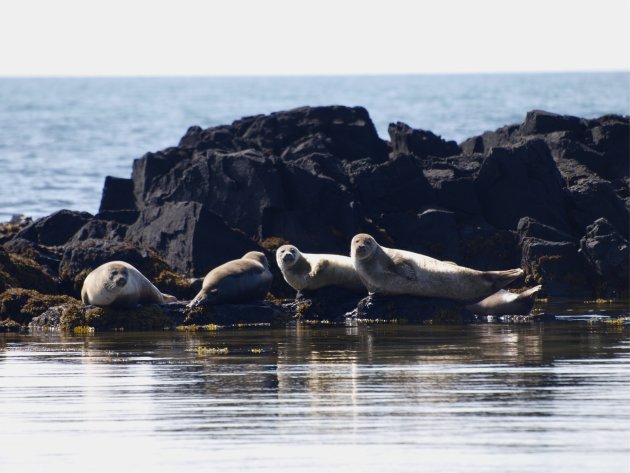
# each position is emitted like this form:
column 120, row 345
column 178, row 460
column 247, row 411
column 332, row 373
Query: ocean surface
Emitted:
column 60, row 137
column 492, row 398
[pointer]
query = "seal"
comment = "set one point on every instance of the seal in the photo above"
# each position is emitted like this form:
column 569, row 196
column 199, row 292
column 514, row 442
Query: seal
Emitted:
column 506, row 303
column 389, row 271
column 119, row 284
column 310, row 271
column 240, row 280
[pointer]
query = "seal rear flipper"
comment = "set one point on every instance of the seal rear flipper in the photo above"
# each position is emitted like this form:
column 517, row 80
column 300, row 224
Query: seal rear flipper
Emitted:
column 204, row 298
column 530, row 292
column 500, row 279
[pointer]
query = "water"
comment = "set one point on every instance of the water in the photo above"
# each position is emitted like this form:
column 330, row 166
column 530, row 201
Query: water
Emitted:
column 59, row 138
column 504, row 398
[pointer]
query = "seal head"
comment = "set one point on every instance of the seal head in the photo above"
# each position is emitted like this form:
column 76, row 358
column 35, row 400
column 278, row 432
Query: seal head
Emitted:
column 363, row 246
column 287, row 256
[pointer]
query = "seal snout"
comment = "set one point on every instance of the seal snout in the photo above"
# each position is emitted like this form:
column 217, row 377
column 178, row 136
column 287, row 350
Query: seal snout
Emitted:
column 287, row 257
column 121, row 281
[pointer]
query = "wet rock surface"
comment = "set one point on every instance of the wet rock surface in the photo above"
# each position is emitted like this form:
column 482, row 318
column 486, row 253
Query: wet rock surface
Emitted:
column 550, row 194
column 408, row 309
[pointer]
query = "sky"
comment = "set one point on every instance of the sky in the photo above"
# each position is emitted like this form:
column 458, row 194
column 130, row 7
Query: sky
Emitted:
column 278, row 37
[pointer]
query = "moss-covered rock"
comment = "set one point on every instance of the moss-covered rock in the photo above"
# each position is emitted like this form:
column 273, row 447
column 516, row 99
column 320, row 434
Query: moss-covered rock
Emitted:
column 20, row 272
column 69, row 316
column 263, row 312
column 172, row 283
column 9, row 325
column 22, row 305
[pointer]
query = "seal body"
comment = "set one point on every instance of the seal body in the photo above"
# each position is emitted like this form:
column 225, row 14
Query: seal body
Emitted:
column 241, row 280
column 308, row 271
column 397, row 272
column 119, row 284
column 506, row 303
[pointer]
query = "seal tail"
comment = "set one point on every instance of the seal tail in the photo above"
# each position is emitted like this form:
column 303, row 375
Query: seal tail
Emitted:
column 500, row 279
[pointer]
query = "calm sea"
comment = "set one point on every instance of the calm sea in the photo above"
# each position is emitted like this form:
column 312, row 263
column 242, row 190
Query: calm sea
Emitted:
column 60, row 137
column 487, row 398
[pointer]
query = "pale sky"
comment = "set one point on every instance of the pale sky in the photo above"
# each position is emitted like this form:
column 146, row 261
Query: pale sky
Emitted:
column 269, row 37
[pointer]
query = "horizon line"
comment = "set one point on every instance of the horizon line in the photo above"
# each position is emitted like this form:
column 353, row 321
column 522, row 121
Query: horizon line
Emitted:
column 310, row 75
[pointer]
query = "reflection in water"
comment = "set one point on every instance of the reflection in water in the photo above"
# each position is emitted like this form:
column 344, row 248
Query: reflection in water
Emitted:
column 384, row 398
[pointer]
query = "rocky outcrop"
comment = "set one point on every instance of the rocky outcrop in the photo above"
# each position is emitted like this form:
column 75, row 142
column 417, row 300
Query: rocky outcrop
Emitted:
column 550, row 194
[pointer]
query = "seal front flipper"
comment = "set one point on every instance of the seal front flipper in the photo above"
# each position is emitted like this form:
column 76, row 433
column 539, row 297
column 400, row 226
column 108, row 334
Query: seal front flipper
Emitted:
column 402, row 268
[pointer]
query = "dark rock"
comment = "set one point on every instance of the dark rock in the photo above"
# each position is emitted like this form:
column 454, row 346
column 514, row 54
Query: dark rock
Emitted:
column 421, row 143
column 432, row 232
column 502, row 137
column 396, row 185
column 456, row 194
column 189, row 237
column 101, row 229
column 345, row 132
column 220, row 138
column 117, row 194
column 575, row 160
column 154, row 166
column 255, row 313
column 611, row 137
column 522, row 181
column 531, row 228
column 592, row 198
column 486, row 248
column 329, row 304
column 607, row 253
column 126, row 217
column 539, row 121
column 238, row 186
column 557, row 266
column 408, row 309
column 317, row 212
column 55, row 229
